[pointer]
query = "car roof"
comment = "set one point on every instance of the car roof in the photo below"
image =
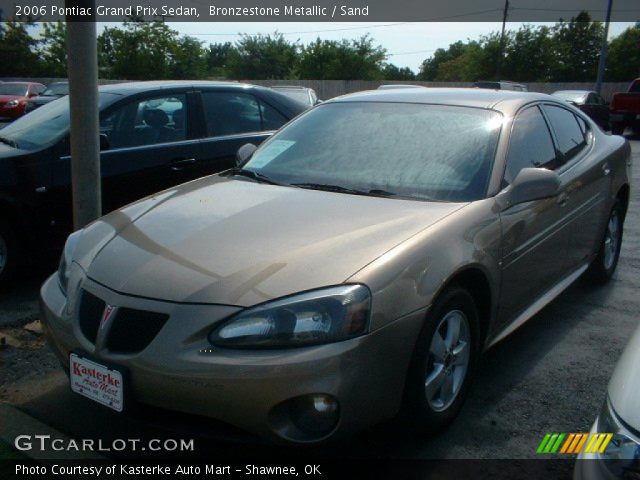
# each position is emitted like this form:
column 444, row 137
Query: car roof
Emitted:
column 469, row 97
column 574, row 91
column 127, row 88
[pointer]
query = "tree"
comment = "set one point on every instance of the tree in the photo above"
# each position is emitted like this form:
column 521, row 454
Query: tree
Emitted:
column 217, row 58
column 429, row 67
column 262, row 57
column 188, row 59
column 391, row 72
column 53, row 49
column 342, row 60
column 529, row 55
column 623, row 60
column 576, row 48
column 18, row 50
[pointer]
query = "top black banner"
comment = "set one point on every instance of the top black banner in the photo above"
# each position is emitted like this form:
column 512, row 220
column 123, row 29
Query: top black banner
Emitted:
column 315, row 10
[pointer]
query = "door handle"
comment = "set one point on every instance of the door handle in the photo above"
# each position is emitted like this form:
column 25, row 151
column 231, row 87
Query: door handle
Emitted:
column 606, row 169
column 563, row 198
column 181, row 163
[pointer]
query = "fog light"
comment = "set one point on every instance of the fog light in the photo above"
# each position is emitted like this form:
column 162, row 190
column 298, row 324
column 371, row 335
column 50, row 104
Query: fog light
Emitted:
column 315, row 414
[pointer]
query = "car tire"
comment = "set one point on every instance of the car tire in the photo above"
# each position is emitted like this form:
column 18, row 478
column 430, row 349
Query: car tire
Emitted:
column 604, row 265
column 617, row 128
column 8, row 253
column 438, row 380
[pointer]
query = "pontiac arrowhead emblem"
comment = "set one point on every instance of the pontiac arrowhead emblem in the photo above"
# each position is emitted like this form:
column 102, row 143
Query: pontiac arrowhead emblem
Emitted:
column 106, row 315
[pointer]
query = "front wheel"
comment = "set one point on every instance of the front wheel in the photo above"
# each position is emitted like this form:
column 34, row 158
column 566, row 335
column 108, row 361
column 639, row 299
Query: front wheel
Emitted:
column 444, row 362
column 8, row 253
column 603, row 266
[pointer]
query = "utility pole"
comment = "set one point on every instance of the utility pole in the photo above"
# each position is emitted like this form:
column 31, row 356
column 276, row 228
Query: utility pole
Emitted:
column 602, row 63
column 82, row 71
column 505, row 12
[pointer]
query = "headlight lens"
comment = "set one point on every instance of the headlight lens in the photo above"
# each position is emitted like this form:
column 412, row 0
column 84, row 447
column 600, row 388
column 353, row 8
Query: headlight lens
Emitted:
column 321, row 316
column 66, row 259
column 623, row 452
column 13, row 103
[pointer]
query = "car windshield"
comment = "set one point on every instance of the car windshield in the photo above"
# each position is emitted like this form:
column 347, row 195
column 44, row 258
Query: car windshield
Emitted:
column 56, row 89
column 570, row 96
column 13, row 89
column 419, row 151
column 45, row 125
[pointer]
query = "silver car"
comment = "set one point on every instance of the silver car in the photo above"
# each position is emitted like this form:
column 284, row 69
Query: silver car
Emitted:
column 620, row 420
column 351, row 270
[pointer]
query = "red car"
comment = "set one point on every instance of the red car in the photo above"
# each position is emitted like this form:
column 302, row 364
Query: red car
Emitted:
column 14, row 96
column 625, row 109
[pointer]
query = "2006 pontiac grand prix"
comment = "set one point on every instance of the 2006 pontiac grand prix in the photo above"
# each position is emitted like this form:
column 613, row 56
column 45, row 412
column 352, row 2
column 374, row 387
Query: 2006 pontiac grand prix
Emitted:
column 351, row 270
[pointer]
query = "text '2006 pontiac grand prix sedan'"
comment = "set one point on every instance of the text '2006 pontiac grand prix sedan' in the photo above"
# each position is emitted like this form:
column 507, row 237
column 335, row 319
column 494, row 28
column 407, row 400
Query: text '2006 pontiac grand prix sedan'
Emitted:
column 351, row 270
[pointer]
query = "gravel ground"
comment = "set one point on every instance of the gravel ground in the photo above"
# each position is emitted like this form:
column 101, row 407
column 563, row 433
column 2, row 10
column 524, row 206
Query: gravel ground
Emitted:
column 551, row 375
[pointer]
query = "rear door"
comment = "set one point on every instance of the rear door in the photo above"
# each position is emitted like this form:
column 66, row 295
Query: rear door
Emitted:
column 535, row 234
column 232, row 118
column 587, row 179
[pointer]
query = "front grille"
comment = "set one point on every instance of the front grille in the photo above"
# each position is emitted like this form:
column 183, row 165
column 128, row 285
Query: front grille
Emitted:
column 132, row 330
column 90, row 314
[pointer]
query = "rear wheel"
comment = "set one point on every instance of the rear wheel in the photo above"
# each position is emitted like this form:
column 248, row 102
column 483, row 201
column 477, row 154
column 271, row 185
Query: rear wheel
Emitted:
column 443, row 364
column 617, row 128
column 604, row 265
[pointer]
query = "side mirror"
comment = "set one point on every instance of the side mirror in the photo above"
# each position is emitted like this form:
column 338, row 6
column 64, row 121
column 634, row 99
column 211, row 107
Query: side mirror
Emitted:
column 530, row 184
column 104, row 142
column 244, row 153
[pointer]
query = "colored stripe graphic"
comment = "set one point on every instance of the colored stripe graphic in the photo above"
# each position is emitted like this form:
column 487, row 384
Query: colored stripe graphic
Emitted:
column 573, row 443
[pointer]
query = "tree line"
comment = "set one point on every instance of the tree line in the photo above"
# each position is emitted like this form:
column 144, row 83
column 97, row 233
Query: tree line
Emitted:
column 566, row 52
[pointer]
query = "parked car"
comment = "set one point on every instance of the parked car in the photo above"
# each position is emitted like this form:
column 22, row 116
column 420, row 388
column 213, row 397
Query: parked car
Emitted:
column 501, row 85
column 14, row 96
column 53, row 91
column 154, row 135
column 399, row 85
column 590, row 103
column 619, row 417
column 305, row 95
column 351, row 269
column 625, row 109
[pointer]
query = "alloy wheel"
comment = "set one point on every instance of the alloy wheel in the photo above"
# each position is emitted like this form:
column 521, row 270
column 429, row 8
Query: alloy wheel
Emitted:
column 448, row 362
column 611, row 240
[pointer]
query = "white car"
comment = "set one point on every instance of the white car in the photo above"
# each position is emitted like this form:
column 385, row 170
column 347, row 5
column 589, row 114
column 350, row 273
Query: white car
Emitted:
column 620, row 416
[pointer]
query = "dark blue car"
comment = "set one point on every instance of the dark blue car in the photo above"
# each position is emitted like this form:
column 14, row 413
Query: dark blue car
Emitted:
column 153, row 135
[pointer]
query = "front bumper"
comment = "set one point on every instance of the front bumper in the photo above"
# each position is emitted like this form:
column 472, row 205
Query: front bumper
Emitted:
column 12, row 112
column 180, row 371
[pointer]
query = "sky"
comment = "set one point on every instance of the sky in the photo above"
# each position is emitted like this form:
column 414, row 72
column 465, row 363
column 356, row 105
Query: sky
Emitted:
column 408, row 44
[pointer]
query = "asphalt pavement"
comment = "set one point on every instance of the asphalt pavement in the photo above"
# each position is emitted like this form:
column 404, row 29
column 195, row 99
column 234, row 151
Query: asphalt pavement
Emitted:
column 549, row 376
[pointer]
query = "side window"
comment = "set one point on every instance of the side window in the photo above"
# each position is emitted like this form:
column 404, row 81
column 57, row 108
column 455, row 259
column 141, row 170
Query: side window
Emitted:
column 569, row 135
column 146, row 122
column 229, row 113
column 271, row 118
column 530, row 144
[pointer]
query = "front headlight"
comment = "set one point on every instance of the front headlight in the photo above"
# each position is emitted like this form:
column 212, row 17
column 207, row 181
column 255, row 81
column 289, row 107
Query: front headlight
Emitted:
column 13, row 103
column 310, row 318
column 66, row 259
column 623, row 452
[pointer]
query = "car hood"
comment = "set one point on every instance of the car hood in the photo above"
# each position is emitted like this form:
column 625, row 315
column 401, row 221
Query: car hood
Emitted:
column 236, row 242
column 625, row 383
column 42, row 99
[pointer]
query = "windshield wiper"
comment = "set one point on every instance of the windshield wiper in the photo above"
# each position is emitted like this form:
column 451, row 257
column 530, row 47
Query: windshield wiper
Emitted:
column 9, row 142
column 340, row 189
column 260, row 177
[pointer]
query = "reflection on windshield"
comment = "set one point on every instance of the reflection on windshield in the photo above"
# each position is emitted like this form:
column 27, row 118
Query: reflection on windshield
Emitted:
column 428, row 152
column 45, row 125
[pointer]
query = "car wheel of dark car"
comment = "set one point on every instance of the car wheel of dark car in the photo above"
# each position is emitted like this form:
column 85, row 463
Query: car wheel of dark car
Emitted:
column 444, row 362
column 8, row 255
column 602, row 268
column 617, row 128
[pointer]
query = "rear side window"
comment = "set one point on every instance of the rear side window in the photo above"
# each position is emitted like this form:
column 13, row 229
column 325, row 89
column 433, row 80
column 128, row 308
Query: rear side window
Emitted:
column 530, row 144
column 569, row 135
column 271, row 118
column 229, row 113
